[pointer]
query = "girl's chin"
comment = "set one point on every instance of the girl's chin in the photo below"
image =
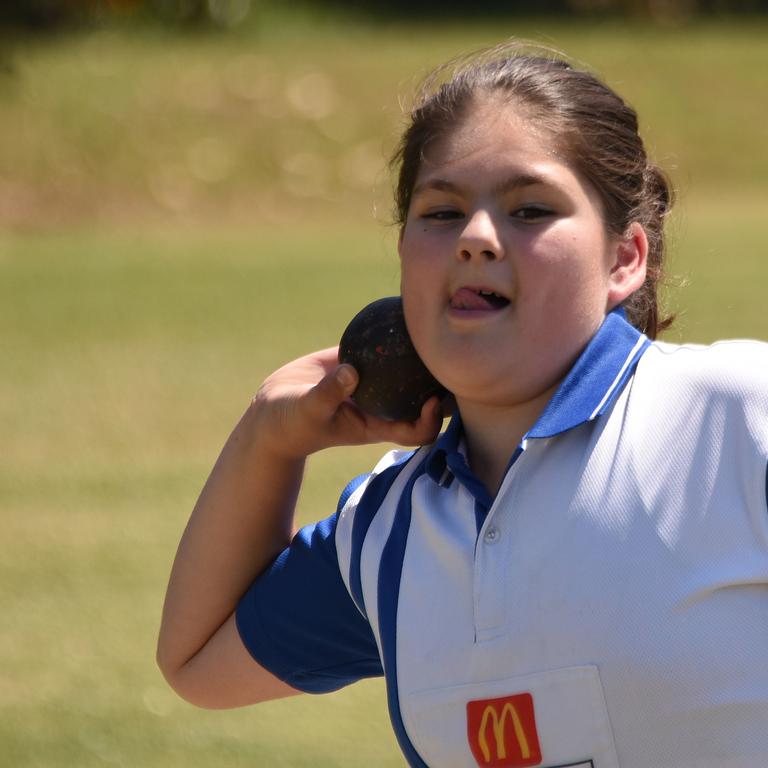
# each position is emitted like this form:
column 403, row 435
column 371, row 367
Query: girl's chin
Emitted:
column 490, row 391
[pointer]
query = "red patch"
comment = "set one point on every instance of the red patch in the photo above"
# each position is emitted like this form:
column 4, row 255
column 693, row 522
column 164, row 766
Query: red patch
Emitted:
column 502, row 732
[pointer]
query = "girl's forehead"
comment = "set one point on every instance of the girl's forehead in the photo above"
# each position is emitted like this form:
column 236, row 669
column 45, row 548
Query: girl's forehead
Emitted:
column 489, row 132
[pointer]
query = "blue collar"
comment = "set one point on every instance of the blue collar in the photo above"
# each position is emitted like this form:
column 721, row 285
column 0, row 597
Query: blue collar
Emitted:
column 588, row 390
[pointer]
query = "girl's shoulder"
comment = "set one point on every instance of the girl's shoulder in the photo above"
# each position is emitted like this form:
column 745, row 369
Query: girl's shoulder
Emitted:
column 737, row 367
column 384, row 473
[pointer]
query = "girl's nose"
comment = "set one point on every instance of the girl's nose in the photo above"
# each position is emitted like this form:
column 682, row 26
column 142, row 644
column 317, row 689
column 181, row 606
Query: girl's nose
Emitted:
column 480, row 239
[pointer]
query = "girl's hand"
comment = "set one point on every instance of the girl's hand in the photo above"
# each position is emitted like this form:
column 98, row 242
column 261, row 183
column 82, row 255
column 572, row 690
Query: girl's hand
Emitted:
column 304, row 407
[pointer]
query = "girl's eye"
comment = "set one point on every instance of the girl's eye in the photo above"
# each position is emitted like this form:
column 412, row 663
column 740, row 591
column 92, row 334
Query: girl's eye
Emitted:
column 531, row 212
column 442, row 215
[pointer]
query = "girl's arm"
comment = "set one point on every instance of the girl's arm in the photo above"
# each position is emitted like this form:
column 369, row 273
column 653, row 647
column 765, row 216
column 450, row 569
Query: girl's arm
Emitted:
column 244, row 519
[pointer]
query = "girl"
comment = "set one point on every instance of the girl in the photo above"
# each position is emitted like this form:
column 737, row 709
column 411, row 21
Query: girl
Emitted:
column 574, row 573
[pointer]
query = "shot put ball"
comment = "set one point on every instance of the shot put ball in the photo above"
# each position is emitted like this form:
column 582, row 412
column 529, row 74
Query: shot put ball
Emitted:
column 394, row 382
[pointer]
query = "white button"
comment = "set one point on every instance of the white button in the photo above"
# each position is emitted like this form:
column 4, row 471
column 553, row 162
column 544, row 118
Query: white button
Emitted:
column 492, row 535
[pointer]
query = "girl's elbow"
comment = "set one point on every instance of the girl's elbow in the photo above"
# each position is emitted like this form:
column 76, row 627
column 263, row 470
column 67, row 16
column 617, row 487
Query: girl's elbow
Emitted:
column 187, row 687
column 177, row 675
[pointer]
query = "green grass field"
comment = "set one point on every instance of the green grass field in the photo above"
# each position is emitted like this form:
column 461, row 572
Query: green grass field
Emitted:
column 181, row 215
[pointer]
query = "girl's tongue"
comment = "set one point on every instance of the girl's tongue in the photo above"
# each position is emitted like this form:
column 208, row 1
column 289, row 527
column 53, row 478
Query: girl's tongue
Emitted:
column 470, row 299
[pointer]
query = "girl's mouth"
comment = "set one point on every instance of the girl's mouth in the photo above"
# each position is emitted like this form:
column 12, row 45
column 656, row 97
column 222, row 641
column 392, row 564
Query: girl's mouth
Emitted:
column 469, row 298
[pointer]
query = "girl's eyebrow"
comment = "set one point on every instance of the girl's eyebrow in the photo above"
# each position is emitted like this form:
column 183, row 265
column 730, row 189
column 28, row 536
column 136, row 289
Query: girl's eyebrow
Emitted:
column 519, row 181
column 438, row 185
column 510, row 184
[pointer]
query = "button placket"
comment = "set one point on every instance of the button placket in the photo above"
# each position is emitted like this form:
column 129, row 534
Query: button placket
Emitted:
column 492, row 563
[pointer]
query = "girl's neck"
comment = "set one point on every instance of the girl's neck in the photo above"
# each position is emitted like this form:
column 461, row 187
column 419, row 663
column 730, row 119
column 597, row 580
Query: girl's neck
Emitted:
column 492, row 434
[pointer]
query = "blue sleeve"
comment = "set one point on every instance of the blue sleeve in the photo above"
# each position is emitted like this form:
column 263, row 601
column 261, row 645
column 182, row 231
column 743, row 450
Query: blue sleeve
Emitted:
column 299, row 622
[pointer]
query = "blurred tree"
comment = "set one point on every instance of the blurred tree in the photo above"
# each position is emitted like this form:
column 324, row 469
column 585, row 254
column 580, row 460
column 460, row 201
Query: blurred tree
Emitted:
column 225, row 13
column 51, row 14
column 669, row 11
column 180, row 11
column 660, row 10
column 40, row 14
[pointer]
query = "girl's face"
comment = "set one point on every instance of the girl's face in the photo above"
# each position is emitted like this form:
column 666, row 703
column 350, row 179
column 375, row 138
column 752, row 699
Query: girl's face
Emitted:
column 507, row 269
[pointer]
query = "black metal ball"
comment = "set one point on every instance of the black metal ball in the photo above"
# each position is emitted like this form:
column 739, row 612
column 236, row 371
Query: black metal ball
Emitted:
column 394, row 382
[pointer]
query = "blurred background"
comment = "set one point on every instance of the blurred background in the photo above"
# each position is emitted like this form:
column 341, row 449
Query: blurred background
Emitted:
column 193, row 192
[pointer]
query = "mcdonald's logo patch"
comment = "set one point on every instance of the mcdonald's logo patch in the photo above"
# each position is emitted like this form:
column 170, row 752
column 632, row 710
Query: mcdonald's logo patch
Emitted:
column 502, row 732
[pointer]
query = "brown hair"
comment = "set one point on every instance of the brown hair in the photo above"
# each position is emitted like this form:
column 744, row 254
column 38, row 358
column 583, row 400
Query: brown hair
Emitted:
column 593, row 126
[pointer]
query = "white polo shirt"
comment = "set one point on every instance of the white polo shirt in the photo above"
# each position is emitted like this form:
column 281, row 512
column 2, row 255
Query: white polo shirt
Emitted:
column 609, row 607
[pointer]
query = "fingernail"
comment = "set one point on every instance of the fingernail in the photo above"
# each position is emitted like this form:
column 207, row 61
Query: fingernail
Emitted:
column 345, row 377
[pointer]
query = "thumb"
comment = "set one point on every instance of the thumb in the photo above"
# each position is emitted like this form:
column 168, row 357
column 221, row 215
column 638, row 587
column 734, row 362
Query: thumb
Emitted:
column 334, row 388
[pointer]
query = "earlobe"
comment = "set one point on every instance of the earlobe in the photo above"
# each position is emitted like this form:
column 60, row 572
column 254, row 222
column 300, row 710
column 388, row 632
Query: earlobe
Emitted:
column 627, row 274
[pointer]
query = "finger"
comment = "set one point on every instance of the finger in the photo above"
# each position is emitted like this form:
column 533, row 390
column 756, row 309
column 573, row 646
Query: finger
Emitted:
column 424, row 430
column 333, row 389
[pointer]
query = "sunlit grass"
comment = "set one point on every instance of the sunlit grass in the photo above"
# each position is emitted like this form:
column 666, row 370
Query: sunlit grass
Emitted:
column 126, row 367
column 276, row 123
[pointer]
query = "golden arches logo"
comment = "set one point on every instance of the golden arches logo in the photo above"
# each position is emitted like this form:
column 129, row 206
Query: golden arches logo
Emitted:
column 490, row 713
column 502, row 732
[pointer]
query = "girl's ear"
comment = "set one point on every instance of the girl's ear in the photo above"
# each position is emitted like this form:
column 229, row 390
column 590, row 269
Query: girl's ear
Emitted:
column 400, row 242
column 627, row 273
